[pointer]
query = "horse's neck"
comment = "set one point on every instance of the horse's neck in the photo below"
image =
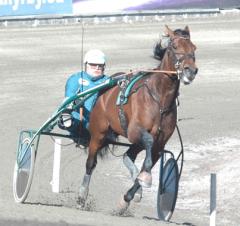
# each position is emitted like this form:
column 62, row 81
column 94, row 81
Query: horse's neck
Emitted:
column 163, row 84
column 167, row 62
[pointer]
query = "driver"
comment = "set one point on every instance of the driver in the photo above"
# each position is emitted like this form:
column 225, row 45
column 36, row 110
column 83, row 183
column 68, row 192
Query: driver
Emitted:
column 93, row 75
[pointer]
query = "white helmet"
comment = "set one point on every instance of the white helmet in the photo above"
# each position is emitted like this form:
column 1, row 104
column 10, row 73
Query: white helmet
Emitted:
column 95, row 56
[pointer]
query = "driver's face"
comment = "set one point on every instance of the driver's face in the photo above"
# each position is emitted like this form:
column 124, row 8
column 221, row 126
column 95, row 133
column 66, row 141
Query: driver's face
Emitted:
column 95, row 70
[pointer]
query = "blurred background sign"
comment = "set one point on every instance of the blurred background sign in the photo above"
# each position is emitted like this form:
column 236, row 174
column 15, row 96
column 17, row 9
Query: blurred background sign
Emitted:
column 117, row 6
column 34, row 7
column 98, row 7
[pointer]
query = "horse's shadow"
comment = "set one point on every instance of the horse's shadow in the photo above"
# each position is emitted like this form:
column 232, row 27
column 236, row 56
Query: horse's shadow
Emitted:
column 59, row 202
column 114, row 213
column 43, row 204
column 170, row 222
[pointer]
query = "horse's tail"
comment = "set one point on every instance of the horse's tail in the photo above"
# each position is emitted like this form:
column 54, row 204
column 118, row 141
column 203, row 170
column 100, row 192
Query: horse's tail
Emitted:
column 102, row 152
column 110, row 138
column 106, row 148
column 158, row 51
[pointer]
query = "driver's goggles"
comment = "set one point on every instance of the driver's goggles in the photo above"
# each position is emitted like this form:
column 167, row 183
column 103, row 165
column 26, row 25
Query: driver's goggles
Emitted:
column 96, row 66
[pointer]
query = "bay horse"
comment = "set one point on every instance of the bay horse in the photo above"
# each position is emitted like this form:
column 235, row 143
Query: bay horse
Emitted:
column 150, row 113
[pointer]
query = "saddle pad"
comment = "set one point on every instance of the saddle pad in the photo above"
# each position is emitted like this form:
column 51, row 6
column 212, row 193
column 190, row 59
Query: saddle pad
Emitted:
column 124, row 93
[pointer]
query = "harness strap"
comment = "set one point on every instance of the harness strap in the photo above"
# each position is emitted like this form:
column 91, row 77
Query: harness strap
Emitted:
column 123, row 119
column 125, row 86
column 121, row 114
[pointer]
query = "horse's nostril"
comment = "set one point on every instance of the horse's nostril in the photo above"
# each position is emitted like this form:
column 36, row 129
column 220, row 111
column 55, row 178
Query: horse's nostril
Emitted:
column 191, row 69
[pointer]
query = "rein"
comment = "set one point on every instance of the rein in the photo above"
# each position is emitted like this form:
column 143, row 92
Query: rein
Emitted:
column 149, row 70
column 160, row 71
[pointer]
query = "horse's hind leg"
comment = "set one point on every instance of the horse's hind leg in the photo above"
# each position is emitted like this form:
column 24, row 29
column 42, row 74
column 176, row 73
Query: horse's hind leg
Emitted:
column 128, row 160
column 91, row 163
column 124, row 203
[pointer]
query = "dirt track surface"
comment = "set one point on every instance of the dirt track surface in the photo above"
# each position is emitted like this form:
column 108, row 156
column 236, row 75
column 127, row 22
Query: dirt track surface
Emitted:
column 35, row 63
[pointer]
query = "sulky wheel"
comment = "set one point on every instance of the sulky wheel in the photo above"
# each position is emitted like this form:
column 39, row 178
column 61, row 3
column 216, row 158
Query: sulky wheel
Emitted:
column 23, row 171
column 167, row 190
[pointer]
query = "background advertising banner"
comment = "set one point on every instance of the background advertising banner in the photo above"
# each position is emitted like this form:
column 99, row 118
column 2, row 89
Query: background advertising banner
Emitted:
column 116, row 6
column 34, row 7
column 186, row 4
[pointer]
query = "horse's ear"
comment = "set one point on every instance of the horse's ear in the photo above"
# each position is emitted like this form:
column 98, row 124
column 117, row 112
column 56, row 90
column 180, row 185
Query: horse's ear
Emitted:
column 187, row 30
column 168, row 31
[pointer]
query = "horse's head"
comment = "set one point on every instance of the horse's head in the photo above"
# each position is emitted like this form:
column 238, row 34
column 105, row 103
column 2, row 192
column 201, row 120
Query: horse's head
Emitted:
column 181, row 50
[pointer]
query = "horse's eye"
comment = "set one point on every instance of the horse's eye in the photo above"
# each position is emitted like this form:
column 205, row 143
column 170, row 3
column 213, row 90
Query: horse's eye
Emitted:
column 174, row 46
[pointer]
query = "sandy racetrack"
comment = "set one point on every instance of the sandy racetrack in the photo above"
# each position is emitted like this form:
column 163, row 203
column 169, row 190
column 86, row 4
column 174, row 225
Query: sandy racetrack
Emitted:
column 35, row 63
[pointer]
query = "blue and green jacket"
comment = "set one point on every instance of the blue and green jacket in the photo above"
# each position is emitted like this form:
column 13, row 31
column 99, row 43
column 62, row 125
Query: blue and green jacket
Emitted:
column 79, row 82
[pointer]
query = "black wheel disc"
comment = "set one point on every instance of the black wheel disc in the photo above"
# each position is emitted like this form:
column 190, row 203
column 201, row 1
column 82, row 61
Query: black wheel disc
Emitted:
column 168, row 190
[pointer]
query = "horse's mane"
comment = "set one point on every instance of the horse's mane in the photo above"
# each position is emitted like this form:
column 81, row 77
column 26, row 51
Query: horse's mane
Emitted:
column 159, row 51
column 182, row 33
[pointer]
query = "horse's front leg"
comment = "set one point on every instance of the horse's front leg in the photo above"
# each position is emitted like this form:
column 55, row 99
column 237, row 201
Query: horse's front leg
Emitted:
column 145, row 177
column 140, row 136
column 145, row 140
column 134, row 190
column 90, row 165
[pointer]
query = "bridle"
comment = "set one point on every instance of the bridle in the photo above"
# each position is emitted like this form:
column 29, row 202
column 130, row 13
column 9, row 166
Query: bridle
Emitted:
column 179, row 57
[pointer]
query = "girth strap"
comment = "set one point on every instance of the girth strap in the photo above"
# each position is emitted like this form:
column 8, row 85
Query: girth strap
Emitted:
column 123, row 119
column 121, row 101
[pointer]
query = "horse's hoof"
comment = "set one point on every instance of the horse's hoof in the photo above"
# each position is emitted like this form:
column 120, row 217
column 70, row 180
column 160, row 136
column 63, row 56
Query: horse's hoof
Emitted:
column 82, row 196
column 145, row 179
column 80, row 202
column 138, row 195
column 122, row 206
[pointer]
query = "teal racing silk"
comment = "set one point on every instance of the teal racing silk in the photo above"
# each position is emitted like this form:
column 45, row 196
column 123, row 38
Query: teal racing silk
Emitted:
column 78, row 83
